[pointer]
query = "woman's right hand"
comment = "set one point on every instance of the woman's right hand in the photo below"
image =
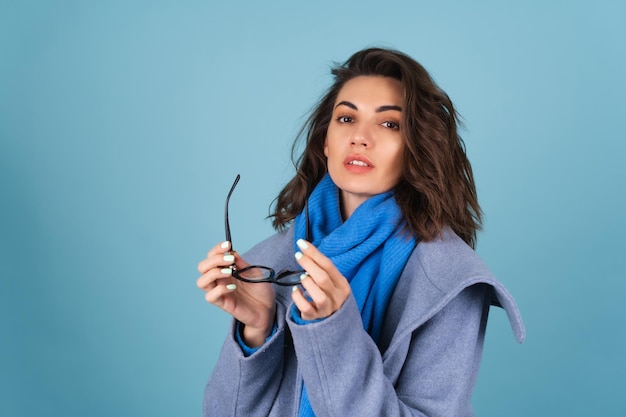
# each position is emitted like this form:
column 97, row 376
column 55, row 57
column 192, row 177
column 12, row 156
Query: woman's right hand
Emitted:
column 254, row 305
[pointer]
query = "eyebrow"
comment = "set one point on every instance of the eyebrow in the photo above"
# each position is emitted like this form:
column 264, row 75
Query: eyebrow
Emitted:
column 378, row 110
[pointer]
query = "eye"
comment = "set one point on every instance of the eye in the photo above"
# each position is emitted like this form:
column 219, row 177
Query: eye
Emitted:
column 345, row 119
column 391, row 125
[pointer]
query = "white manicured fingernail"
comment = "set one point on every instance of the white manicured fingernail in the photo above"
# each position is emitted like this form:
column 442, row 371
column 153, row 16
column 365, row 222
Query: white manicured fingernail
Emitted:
column 298, row 255
column 225, row 245
column 294, row 288
column 227, row 271
column 304, row 276
column 231, row 287
column 229, row 258
column 302, row 244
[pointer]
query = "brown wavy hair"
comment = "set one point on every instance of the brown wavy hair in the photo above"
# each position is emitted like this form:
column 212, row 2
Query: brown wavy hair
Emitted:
column 437, row 187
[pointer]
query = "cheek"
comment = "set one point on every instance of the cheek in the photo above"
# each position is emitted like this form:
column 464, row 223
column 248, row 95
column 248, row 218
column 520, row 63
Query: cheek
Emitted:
column 331, row 146
column 397, row 161
column 399, row 155
column 328, row 141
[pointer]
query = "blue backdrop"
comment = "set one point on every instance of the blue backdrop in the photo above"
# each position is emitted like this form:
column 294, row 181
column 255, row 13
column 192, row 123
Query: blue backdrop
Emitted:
column 123, row 124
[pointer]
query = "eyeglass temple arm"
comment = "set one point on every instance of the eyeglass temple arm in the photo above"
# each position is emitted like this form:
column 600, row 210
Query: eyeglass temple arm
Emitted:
column 226, row 224
column 309, row 190
column 306, row 216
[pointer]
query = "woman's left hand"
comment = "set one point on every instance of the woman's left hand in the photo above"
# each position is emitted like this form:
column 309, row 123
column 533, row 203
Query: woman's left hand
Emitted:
column 327, row 288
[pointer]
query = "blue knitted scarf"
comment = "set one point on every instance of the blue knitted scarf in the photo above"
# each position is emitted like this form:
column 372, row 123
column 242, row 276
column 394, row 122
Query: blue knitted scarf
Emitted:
column 369, row 249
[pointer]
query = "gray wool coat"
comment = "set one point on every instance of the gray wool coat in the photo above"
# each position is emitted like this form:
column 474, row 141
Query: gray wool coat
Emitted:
column 425, row 364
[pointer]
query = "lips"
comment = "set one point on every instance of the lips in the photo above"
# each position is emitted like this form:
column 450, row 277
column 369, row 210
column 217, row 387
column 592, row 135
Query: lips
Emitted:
column 358, row 161
column 358, row 164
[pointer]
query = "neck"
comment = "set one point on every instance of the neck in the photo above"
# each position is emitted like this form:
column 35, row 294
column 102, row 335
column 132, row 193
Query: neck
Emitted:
column 349, row 203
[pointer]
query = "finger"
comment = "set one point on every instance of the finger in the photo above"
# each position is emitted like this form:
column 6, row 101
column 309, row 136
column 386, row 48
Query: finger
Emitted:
column 214, row 254
column 315, row 303
column 217, row 260
column 217, row 295
column 208, row 280
column 331, row 272
column 318, row 295
column 220, row 248
column 239, row 262
column 311, row 251
column 308, row 310
column 319, row 274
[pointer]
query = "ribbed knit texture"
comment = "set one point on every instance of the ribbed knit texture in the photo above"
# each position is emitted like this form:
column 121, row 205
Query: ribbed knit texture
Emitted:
column 369, row 249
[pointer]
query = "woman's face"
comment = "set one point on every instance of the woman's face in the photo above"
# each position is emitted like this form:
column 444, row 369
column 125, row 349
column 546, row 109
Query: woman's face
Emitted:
column 364, row 143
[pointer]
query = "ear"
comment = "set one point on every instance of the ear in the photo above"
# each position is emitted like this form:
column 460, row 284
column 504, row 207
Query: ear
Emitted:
column 326, row 147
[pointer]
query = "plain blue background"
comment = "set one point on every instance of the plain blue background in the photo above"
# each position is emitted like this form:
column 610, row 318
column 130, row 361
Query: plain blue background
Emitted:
column 123, row 124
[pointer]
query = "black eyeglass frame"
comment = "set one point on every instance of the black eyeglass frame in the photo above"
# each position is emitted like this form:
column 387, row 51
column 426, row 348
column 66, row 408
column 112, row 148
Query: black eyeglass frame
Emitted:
column 273, row 277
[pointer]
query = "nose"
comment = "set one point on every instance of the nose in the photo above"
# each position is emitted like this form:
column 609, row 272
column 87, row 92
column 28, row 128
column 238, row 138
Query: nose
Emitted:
column 362, row 137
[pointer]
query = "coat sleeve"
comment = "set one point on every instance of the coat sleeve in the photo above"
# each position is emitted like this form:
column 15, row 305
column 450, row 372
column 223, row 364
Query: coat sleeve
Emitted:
column 246, row 386
column 344, row 374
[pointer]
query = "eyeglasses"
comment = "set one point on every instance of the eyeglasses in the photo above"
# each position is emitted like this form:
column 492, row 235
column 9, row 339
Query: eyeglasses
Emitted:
column 257, row 273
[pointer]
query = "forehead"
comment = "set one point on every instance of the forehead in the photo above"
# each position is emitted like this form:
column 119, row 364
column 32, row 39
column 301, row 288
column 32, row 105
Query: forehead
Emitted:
column 372, row 89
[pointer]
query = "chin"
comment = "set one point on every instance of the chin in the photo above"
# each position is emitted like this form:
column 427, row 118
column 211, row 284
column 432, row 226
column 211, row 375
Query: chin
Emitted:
column 362, row 190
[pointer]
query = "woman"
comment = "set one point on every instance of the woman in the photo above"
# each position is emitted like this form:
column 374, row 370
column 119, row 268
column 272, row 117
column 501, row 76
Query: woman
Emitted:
column 389, row 315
